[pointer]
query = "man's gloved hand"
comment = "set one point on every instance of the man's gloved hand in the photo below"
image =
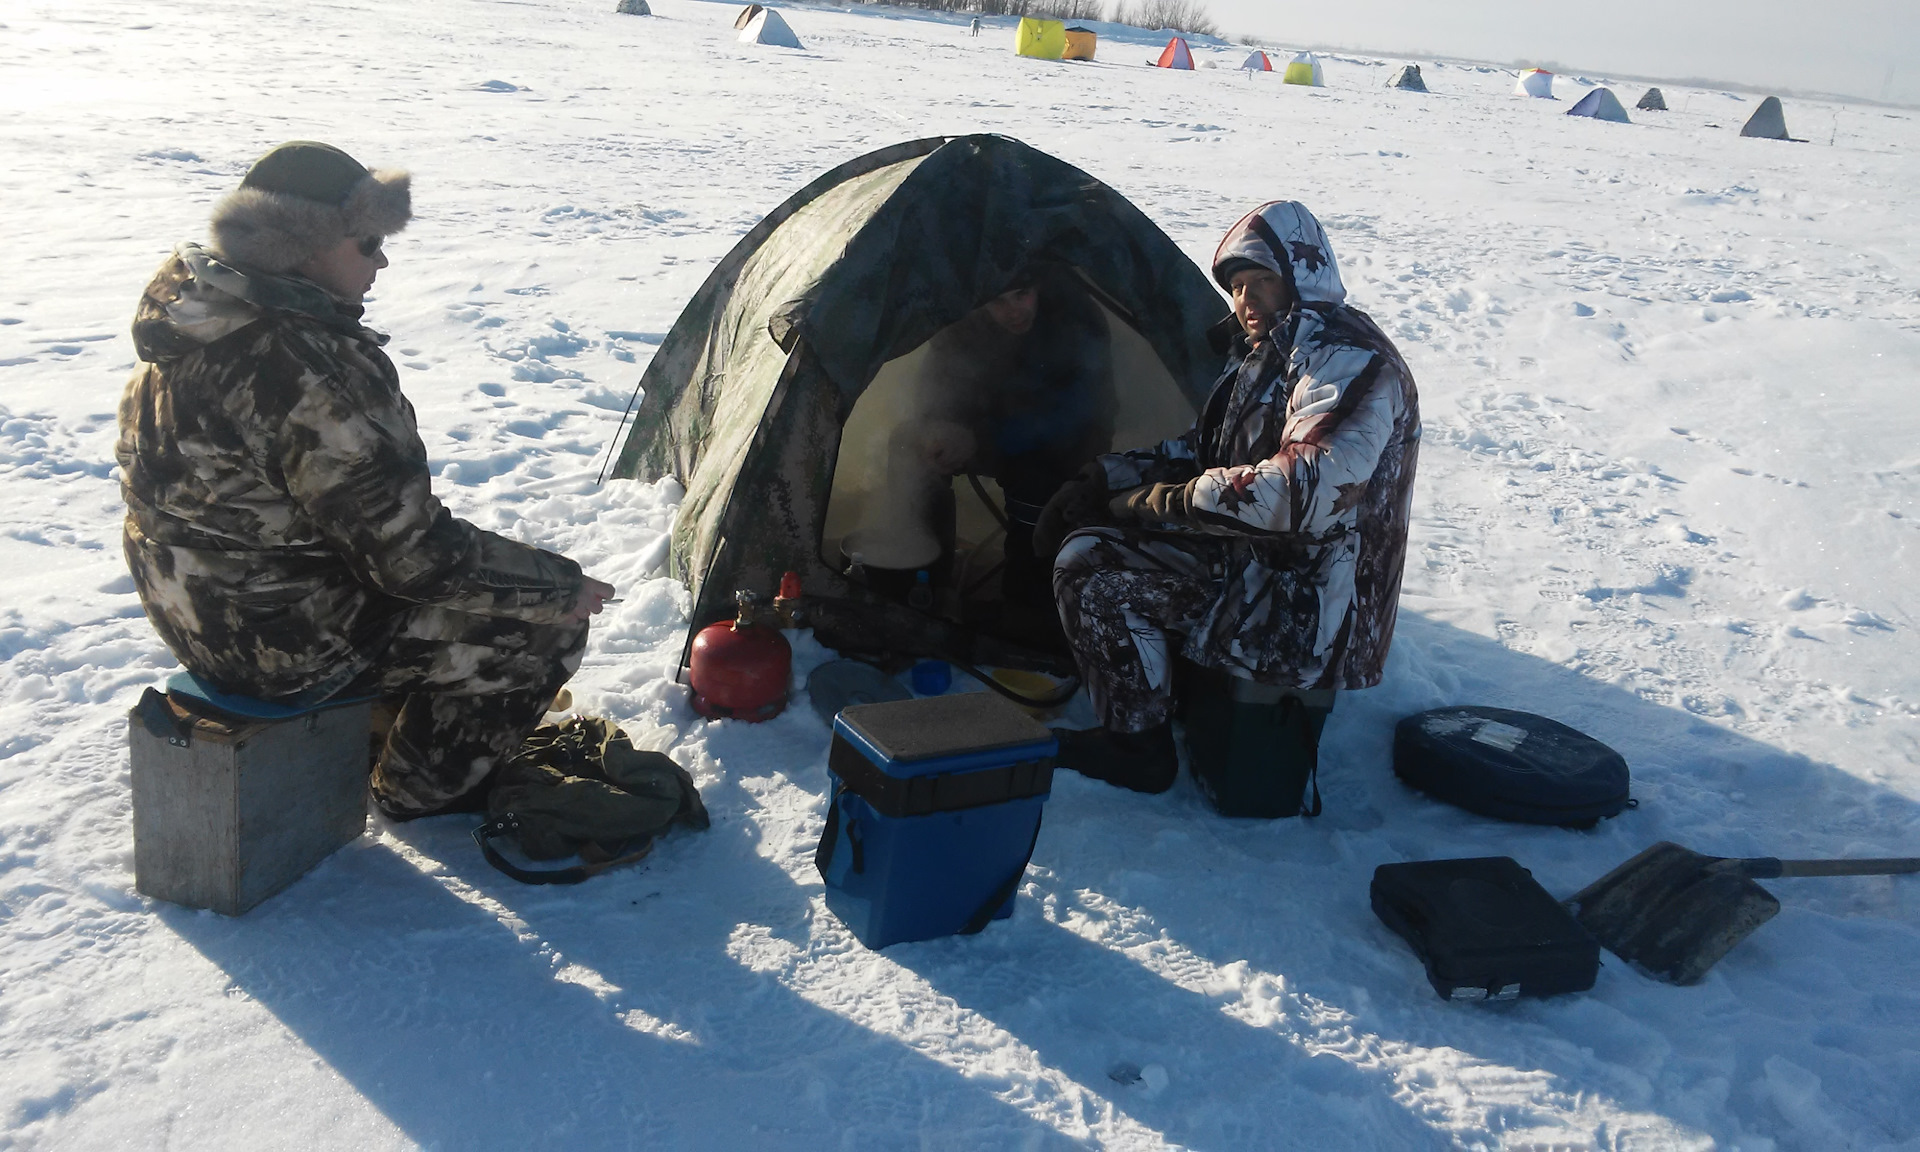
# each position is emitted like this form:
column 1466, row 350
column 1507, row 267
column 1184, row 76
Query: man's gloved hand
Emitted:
column 1150, row 504
column 1078, row 503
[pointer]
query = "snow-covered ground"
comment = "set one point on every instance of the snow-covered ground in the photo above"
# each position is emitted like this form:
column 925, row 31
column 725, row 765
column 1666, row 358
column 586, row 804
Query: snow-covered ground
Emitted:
column 1670, row 494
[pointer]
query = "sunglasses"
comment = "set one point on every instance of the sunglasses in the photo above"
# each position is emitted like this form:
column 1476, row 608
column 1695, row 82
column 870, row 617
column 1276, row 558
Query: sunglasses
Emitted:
column 370, row 246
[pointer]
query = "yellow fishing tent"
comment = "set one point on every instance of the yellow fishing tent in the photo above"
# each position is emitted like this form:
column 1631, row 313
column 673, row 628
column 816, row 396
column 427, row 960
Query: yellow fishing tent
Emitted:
column 1304, row 69
column 1080, row 44
column 1041, row 39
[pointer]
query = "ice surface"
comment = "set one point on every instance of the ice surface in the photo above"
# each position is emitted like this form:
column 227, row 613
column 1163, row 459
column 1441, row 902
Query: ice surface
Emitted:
column 1668, row 496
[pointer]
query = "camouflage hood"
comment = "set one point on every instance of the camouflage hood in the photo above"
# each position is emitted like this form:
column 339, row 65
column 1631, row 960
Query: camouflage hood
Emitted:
column 1282, row 236
column 197, row 299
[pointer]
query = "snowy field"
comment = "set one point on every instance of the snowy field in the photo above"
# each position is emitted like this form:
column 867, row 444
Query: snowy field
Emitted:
column 1670, row 494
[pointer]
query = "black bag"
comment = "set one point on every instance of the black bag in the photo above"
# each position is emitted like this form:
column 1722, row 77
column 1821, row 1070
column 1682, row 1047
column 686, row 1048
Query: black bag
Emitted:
column 582, row 788
column 1485, row 929
column 1511, row 766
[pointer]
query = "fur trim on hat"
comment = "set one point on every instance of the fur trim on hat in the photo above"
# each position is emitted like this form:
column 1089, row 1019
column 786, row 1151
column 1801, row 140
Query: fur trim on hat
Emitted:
column 277, row 232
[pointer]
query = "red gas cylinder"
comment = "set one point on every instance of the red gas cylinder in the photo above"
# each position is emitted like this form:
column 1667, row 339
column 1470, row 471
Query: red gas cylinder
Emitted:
column 738, row 669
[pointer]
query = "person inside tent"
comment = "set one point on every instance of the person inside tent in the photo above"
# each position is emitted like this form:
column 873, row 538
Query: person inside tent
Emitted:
column 1020, row 390
column 1268, row 541
column 281, row 525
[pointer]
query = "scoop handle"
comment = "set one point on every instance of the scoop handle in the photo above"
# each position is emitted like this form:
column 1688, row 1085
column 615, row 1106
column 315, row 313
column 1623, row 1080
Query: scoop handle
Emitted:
column 1768, row 867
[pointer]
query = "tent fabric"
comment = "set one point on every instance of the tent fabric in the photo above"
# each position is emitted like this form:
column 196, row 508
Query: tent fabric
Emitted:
column 1040, row 39
column 1304, row 69
column 1081, row 43
column 1537, row 82
column 1600, row 104
column 1408, row 78
column 769, row 27
column 1768, row 122
column 1256, row 61
column 1175, row 55
column 746, row 16
column 1653, row 101
column 745, row 400
column 633, row 8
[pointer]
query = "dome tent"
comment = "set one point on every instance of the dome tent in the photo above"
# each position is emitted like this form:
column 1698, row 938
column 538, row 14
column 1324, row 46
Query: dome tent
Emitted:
column 1081, row 43
column 1600, row 104
column 805, row 329
column 1537, row 82
column 1304, row 69
column 769, row 27
column 1256, row 61
column 1768, row 122
column 1653, row 101
column 633, row 8
column 1040, row 39
column 1175, row 55
column 1408, row 78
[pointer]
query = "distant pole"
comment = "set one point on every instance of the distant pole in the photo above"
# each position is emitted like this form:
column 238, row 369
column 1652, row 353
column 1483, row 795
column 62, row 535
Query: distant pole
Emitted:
column 1835, row 135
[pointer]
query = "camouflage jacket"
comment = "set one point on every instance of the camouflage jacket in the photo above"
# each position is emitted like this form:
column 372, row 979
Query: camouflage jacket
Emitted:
column 1297, row 477
column 279, row 512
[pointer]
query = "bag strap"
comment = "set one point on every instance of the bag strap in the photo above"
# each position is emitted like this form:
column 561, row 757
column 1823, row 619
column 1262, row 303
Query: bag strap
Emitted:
column 983, row 915
column 1312, row 746
column 510, row 823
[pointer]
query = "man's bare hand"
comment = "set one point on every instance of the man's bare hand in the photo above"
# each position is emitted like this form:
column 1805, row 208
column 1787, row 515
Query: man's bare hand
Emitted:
column 593, row 596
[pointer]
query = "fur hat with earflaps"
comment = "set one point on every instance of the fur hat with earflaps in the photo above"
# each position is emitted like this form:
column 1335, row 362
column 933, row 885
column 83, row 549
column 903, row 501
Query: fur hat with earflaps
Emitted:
column 303, row 197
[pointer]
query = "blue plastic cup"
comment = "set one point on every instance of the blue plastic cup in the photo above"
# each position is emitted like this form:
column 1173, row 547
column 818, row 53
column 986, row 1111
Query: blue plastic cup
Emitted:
column 931, row 677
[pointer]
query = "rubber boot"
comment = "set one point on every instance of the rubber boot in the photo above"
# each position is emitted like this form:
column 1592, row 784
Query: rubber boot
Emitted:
column 1139, row 761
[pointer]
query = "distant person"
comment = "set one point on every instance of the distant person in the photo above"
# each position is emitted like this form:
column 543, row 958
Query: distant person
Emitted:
column 281, row 524
column 1020, row 390
column 1268, row 541
column 973, row 29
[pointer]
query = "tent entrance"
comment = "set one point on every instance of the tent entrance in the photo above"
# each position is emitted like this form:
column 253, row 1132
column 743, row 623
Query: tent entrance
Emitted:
column 897, row 514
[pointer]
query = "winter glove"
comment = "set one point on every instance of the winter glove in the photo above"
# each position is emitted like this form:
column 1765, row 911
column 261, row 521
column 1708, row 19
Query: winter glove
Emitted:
column 1151, row 504
column 1078, row 503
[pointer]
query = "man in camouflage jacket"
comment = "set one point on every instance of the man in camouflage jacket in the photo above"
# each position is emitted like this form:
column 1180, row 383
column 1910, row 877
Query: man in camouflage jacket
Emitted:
column 281, row 527
column 1268, row 541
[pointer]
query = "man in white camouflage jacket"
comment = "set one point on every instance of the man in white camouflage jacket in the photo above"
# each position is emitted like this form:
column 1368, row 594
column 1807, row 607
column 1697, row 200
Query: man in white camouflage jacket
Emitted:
column 281, row 525
column 1268, row 541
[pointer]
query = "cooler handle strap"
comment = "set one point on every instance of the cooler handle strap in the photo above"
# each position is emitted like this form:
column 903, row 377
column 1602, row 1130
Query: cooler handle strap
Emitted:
column 983, row 915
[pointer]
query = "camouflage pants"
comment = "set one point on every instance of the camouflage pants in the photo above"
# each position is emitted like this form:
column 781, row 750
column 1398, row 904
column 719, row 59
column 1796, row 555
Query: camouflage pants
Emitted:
column 468, row 690
column 1122, row 597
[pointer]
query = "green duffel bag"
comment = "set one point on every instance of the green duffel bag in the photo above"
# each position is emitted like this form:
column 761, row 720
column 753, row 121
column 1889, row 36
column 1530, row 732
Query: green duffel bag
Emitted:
column 581, row 788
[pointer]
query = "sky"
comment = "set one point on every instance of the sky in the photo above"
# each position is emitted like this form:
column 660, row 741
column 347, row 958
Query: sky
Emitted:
column 1861, row 48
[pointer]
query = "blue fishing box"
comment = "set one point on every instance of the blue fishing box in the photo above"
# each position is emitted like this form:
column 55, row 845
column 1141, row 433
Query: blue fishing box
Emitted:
column 934, row 813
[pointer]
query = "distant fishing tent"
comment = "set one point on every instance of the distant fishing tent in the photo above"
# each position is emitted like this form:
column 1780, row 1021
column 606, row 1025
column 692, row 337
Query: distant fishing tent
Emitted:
column 1537, row 82
column 1768, row 122
column 1040, row 39
column 1175, row 55
column 1653, row 101
column 1600, row 104
column 1256, row 61
column 768, row 27
column 1304, row 69
column 633, row 8
column 1408, row 78
column 1080, row 44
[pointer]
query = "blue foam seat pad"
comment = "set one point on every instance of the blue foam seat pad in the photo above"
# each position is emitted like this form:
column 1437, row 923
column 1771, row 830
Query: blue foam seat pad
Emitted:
column 189, row 687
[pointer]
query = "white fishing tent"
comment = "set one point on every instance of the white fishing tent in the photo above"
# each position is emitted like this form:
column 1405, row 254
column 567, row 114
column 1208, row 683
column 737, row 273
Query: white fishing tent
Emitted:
column 1537, row 82
column 768, row 27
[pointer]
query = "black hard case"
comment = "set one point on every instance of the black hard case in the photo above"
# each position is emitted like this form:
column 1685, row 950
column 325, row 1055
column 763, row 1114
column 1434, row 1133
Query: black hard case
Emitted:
column 1511, row 766
column 1485, row 929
